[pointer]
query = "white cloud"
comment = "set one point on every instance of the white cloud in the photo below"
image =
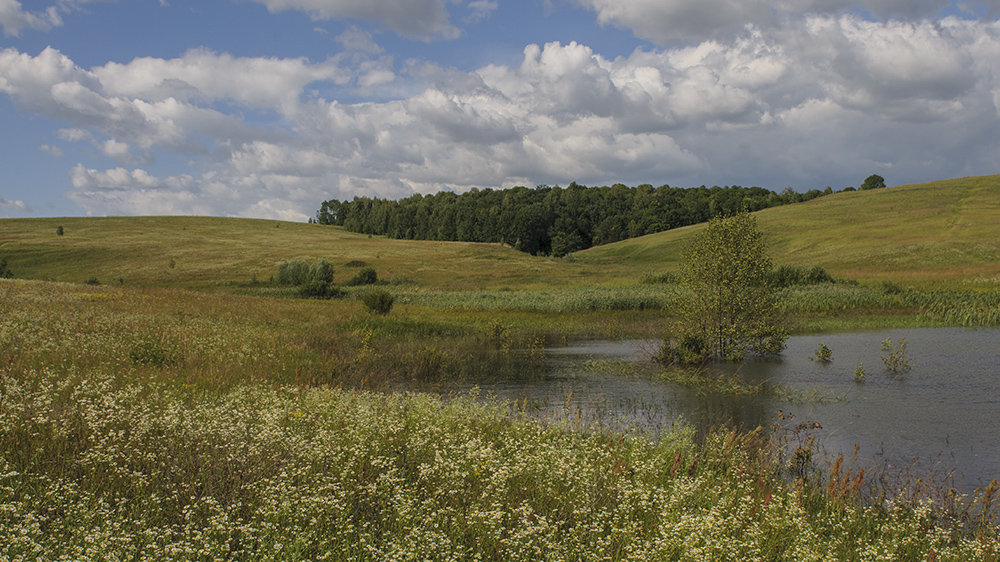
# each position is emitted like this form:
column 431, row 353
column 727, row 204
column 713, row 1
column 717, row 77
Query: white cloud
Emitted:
column 785, row 103
column 52, row 150
column 13, row 18
column 355, row 39
column 422, row 19
column 15, row 204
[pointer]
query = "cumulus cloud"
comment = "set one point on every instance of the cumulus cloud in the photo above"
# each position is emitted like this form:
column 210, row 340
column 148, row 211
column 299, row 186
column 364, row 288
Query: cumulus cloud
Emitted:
column 13, row 18
column 15, row 204
column 670, row 21
column 768, row 103
column 421, row 19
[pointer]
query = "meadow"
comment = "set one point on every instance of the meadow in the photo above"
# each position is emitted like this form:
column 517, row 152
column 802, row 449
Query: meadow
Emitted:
column 167, row 424
column 160, row 399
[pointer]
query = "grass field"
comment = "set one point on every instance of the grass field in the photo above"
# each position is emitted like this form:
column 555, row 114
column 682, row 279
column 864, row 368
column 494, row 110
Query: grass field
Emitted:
column 178, row 410
column 943, row 233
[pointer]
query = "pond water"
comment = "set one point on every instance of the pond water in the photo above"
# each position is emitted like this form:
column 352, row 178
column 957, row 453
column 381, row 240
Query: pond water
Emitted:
column 942, row 416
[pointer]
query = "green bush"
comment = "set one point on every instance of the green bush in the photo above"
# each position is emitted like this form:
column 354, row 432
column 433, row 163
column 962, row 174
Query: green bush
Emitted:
column 92, row 281
column 291, row 273
column 5, row 272
column 366, row 276
column 355, row 263
column 378, row 301
column 790, row 276
column 295, row 273
column 316, row 289
column 59, row 230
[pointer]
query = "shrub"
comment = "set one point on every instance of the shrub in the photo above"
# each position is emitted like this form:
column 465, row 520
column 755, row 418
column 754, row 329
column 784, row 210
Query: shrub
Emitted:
column 59, row 230
column 355, row 263
column 321, row 272
column 378, row 301
column 366, row 276
column 5, row 272
column 92, row 281
column 895, row 360
column 316, row 289
column 294, row 272
column 823, row 354
column 790, row 275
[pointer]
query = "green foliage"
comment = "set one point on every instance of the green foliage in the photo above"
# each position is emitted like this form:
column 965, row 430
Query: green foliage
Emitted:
column 355, row 263
column 152, row 353
column 790, row 275
column 859, row 373
column 549, row 220
column 316, row 289
column 895, row 358
column 5, row 272
column 298, row 272
column 92, row 280
column 59, row 230
column 823, row 354
column 732, row 309
column 378, row 301
column 873, row 181
column 367, row 276
column 292, row 273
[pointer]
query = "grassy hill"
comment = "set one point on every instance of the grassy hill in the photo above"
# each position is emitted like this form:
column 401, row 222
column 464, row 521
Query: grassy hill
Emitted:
column 205, row 252
column 938, row 232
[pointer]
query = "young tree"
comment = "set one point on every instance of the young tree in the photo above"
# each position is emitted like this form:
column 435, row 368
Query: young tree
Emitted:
column 732, row 309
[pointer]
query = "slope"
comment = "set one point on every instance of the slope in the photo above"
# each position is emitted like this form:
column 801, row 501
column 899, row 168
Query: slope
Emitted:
column 938, row 232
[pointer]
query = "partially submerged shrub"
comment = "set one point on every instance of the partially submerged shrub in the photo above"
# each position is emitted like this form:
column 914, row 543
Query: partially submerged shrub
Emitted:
column 823, row 354
column 895, row 359
column 378, row 301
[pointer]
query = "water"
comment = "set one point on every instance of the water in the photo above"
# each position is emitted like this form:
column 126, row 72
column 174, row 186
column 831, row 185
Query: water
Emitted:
column 942, row 416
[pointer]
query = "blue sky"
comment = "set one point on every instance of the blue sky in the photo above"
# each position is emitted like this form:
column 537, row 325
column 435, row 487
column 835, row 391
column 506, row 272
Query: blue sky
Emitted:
column 265, row 108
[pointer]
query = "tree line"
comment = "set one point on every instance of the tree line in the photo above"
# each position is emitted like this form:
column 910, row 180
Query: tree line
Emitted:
column 550, row 220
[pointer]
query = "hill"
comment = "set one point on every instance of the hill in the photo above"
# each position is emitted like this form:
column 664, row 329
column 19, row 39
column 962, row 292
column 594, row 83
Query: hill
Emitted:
column 209, row 252
column 938, row 232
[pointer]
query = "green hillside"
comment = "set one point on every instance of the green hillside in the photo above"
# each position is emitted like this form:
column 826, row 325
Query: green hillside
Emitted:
column 204, row 252
column 938, row 232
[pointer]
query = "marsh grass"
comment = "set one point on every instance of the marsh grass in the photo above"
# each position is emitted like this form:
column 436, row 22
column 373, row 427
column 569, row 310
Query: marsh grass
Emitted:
column 253, row 442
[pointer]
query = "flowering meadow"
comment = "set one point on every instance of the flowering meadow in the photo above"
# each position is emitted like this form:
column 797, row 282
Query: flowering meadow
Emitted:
column 169, row 425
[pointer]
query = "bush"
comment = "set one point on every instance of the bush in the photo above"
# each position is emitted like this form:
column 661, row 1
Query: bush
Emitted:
column 296, row 273
column 355, row 263
column 316, row 289
column 291, row 273
column 321, row 272
column 790, row 276
column 378, row 301
column 366, row 276
column 5, row 272
column 59, row 230
column 92, row 281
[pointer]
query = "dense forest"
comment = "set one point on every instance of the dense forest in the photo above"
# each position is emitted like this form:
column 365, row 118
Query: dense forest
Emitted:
column 549, row 220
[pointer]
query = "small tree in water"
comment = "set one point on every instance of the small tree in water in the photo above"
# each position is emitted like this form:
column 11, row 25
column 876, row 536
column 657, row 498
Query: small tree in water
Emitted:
column 731, row 310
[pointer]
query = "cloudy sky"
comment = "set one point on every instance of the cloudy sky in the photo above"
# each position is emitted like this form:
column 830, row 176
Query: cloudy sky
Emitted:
column 265, row 108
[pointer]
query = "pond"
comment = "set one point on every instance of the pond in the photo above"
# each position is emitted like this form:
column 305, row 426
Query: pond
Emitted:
column 942, row 416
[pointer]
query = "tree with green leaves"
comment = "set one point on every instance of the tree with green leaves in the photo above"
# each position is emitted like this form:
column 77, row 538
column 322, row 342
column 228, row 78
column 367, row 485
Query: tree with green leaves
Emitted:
column 731, row 310
column 873, row 181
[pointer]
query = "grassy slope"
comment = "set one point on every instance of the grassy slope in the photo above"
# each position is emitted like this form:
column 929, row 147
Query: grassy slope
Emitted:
column 209, row 252
column 943, row 231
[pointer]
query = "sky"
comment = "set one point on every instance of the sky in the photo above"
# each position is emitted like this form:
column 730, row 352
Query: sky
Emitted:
column 266, row 108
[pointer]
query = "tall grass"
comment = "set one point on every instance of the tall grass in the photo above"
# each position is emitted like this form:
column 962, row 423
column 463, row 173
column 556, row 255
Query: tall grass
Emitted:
column 172, row 425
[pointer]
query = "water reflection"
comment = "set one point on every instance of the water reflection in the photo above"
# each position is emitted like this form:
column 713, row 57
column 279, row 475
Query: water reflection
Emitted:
column 943, row 414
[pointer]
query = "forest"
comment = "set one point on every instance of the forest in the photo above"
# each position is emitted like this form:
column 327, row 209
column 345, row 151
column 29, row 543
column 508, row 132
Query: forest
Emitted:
column 550, row 220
